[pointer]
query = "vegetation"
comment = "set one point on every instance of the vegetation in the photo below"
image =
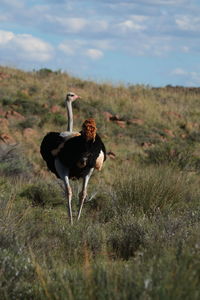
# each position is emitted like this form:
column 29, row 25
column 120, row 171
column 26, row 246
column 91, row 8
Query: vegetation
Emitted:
column 138, row 237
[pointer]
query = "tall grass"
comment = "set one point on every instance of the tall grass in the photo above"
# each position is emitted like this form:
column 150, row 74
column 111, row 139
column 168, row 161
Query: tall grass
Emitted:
column 138, row 238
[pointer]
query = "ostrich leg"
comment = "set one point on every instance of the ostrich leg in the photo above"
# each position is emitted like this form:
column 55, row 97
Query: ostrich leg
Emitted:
column 83, row 193
column 64, row 175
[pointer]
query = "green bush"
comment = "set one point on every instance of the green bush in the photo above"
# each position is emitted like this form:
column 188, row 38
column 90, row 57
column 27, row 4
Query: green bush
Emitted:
column 13, row 162
column 150, row 189
column 59, row 119
column 176, row 154
column 27, row 107
column 43, row 193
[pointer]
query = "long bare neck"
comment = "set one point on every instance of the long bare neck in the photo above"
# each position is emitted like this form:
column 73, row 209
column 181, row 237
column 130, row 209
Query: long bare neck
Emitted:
column 70, row 116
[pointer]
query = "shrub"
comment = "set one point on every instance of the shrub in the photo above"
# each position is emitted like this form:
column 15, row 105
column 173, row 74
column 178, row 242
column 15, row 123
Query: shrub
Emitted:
column 59, row 119
column 43, row 193
column 126, row 239
column 29, row 122
column 176, row 154
column 44, row 72
column 150, row 189
column 27, row 107
column 14, row 162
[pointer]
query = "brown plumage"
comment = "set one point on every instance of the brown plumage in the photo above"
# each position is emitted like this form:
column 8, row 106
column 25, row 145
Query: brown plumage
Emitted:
column 89, row 129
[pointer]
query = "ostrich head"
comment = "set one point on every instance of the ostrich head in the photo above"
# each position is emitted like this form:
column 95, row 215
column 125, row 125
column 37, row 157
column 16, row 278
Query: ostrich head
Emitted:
column 71, row 97
column 89, row 129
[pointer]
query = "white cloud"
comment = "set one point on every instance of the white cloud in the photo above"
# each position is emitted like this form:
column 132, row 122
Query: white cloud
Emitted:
column 25, row 46
column 98, row 26
column 134, row 23
column 72, row 47
column 68, row 24
column 94, row 53
column 13, row 3
column 3, row 18
column 83, row 48
column 191, row 78
column 188, row 23
column 130, row 25
column 5, row 37
column 179, row 71
column 66, row 48
column 32, row 47
column 185, row 49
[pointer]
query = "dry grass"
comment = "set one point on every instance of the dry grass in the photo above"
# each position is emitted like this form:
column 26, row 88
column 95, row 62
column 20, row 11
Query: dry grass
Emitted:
column 139, row 236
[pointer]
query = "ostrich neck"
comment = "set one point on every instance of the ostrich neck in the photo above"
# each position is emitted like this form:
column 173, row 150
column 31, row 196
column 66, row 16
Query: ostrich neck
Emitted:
column 70, row 116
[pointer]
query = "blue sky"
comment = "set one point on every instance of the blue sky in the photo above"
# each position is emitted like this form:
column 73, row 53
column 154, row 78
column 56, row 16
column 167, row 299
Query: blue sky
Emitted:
column 154, row 42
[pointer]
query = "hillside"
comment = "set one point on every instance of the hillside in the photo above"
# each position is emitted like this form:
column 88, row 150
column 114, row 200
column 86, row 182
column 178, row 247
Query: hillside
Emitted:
column 138, row 238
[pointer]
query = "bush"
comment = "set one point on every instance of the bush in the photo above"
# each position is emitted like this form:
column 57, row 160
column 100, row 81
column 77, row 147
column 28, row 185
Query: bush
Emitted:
column 14, row 162
column 150, row 189
column 43, row 193
column 27, row 107
column 126, row 239
column 176, row 154
column 59, row 119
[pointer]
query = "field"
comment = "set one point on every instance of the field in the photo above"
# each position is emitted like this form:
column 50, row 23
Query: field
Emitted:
column 139, row 236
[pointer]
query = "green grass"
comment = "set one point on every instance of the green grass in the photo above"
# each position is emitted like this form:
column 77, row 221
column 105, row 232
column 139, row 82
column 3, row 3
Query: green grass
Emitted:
column 139, row 236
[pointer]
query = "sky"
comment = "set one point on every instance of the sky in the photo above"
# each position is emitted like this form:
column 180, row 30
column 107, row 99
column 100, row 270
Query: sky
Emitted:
column 151, row 42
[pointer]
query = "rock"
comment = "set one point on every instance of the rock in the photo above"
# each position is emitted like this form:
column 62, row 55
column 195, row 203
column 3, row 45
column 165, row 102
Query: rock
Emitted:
column 183, row 135
column 55, row 108
column 174, row 114
column 169, row 132
column 111, row 155
column 45, row 105
column 4, row 123
column 121, row 124
column 136, row 121
column 115, row 118
column 7, row 139
column 146, row 144
column 107, row 115
column 4, row 75
column 11, row 114
column 28, row 133
column 2, row 112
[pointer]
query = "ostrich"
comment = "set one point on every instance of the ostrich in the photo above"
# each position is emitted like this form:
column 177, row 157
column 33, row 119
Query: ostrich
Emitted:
column 72, row 155
column 54, row 141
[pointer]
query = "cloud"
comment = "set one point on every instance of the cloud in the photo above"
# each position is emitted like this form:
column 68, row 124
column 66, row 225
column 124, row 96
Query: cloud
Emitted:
column 5, row 37
column 76, row 25
column 3, row 18
column 13, row 3
column 94, row 54
column 188, row 22
column 68, row 24
column 104, row 44
column 72, row 47
column 24, row 46
column 129, row 25
column 82, row 48
column 134, row 23
column 191, row 78
column 179, row 71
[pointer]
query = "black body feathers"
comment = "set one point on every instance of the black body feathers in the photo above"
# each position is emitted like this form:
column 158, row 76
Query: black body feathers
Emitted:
column 51, row 141
column 77, row 154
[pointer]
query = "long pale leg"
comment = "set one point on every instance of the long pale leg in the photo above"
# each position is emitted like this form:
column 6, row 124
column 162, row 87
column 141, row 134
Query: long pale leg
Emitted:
column 83, row 193
column 64, row 175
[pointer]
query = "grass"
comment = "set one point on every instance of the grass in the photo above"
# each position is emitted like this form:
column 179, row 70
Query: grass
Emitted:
column 139, row 236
